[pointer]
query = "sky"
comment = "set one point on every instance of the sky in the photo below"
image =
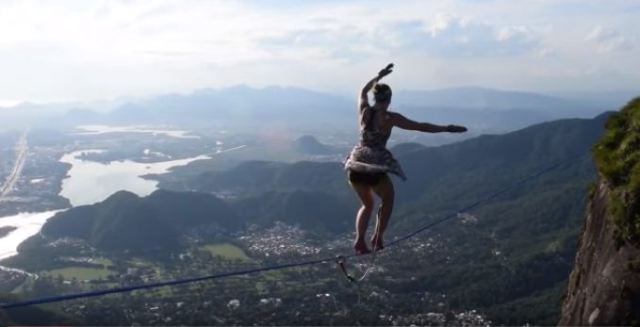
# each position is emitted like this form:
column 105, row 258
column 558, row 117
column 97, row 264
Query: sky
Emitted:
column 63, row 50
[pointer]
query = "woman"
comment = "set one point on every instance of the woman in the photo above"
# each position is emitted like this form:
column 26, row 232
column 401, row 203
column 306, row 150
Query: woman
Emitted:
column 370, row 161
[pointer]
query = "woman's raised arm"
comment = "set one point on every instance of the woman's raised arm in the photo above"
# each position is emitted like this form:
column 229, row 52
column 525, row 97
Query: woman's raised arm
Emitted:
column 364, row 98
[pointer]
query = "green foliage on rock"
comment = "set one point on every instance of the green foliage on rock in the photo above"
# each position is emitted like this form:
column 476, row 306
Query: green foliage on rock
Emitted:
column 617, row 157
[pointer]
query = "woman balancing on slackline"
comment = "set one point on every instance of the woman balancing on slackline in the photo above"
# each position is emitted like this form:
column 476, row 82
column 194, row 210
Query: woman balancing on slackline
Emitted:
column 370, row 161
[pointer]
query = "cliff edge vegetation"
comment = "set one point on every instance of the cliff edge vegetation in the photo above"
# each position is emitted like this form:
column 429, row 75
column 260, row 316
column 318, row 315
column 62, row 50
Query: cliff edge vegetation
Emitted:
column 617, row 157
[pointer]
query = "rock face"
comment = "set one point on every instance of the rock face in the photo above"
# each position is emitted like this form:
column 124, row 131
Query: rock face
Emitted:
column 604, row 287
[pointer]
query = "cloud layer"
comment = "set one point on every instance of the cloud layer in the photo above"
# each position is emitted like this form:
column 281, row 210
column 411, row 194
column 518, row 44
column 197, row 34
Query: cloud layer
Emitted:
column 609, row 40
column 100, row 49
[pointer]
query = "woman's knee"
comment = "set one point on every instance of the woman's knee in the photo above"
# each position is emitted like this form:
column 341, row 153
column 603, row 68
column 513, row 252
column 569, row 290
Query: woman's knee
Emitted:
column 367, row 206
column 387, row 198
column 386, row 204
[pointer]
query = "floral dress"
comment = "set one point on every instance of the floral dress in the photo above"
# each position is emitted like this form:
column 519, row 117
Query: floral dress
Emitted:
column 371, row 154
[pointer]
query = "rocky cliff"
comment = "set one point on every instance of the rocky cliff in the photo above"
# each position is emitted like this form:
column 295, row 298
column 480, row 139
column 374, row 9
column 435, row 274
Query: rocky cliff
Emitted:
column 604, row 287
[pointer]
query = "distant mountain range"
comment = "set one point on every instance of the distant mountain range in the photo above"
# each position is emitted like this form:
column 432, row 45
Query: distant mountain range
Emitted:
column 491, row 111
column 236, row 103
column 482, row 108
column 485, row 98
column 275, row 103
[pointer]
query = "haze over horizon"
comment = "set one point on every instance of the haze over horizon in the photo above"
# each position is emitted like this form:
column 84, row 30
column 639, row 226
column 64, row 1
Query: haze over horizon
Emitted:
column 93, row 50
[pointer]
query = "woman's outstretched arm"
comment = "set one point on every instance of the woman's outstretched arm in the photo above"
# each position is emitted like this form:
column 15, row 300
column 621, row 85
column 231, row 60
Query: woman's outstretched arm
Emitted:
column 364, row 98
column 403, row 122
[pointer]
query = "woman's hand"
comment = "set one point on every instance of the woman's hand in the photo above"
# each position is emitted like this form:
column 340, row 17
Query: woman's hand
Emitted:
column 456, row 129
column 386, row 71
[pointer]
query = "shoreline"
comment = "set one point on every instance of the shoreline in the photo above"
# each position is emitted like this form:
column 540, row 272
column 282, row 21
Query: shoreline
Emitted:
column 6, row 230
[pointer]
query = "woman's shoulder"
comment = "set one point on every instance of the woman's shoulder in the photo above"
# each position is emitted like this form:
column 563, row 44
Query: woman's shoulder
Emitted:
column 366, row 111
column 393, row 115
column 367, row 108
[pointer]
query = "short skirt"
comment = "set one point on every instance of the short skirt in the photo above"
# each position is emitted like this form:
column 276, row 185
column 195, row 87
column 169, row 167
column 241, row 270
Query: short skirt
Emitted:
column 370, row 179
column 364, row 159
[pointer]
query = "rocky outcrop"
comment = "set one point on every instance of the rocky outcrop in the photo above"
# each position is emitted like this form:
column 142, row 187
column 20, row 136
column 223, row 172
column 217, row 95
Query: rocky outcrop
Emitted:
column 604, row 287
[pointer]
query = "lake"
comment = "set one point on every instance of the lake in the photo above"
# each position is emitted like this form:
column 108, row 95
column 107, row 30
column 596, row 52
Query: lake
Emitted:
column 88, row 182
column 104, row 129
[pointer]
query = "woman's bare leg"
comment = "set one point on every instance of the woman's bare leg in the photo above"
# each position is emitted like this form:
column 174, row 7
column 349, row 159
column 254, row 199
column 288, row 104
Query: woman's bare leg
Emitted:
column 385, row 191
column 362, row 220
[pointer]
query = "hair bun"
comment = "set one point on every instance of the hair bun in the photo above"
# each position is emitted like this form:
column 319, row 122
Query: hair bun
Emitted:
column 382, row 92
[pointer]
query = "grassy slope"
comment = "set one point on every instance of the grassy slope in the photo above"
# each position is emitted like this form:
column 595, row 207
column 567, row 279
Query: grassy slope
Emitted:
column 227, row 251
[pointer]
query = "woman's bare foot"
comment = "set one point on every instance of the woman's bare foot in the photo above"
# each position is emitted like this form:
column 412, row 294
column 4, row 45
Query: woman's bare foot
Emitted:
column 376, row 243
column 361, row 248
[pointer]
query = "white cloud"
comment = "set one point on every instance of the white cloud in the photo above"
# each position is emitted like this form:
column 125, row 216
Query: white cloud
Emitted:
column 609, row 40
column 445, row 35
column 446, row 22
column 518, row 33
column 544, row 53
column 455, row 36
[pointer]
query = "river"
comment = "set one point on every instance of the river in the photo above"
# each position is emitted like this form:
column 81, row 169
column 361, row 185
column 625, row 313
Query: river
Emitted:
column 27, row 225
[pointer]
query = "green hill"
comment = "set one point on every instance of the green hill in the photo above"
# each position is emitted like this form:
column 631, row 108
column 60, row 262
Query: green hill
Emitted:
column 123, row 220
column 315, row 211
column 256, row 177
